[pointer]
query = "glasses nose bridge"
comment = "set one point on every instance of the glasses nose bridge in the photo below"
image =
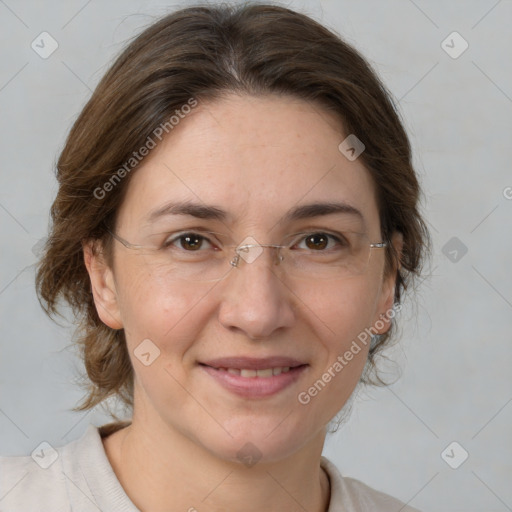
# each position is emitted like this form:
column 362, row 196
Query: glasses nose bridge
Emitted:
column 250, row 252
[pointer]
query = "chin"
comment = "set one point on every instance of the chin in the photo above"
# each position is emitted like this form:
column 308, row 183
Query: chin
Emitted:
column 257, row 440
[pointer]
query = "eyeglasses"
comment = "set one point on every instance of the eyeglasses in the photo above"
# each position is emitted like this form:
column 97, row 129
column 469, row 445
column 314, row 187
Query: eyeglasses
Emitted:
column 202, row 256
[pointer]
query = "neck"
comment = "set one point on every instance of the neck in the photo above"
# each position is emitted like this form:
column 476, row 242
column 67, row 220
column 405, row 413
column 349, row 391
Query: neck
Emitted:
column 162, row 469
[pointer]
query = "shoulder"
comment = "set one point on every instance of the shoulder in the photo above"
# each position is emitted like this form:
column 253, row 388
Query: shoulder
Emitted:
column 51, row 478
column 354, row 496
column 34, row 482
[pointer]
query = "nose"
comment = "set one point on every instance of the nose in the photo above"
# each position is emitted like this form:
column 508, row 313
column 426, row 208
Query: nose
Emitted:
column 255, row 299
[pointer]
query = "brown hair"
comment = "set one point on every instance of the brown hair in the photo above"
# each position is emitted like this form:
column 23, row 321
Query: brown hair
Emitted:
column 202, row 52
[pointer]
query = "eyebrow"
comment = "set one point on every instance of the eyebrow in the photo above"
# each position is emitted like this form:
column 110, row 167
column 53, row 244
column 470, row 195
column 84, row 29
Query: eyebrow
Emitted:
column 318, row 209
column 188, row 208
column 202, row 211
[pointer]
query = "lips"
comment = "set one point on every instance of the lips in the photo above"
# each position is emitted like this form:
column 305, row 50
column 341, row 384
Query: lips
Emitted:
column 251, row 363
column 256, row 383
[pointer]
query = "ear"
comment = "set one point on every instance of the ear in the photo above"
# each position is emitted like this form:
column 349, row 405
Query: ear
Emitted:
column 102, row 284
column 382, row 321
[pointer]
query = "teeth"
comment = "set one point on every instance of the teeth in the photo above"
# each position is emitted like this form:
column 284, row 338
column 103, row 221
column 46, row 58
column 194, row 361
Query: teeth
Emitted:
column 265, row 373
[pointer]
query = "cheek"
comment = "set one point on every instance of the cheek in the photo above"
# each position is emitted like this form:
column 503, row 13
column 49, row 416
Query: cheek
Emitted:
column 339, row 314
column 154, row 307
column 171, row 316
column 341, row 310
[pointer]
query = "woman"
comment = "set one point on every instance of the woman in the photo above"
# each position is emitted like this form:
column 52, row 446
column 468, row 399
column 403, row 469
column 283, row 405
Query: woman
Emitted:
column 237, row 215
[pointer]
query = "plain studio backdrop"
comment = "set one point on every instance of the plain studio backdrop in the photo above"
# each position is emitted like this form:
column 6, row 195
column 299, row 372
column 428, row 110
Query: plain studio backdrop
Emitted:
column 441, row 436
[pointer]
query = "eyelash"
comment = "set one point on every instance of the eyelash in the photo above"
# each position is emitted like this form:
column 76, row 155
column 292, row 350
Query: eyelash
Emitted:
column 339, row 239
column 169, row 242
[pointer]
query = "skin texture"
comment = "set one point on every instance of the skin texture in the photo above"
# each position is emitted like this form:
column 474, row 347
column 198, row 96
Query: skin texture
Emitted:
column 256, row 157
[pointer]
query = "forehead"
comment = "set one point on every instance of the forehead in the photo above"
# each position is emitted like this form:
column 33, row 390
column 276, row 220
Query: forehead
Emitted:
column 256, row 157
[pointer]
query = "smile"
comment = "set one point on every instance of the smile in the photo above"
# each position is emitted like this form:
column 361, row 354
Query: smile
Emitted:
column 250, row 383
column 267, row 372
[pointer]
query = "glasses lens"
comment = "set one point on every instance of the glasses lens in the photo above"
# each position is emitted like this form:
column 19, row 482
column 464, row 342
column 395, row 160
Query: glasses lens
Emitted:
column 315, row 257
column 349, row 256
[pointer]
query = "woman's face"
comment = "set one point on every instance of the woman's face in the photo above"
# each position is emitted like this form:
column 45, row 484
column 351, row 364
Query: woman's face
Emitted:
column 256, row 160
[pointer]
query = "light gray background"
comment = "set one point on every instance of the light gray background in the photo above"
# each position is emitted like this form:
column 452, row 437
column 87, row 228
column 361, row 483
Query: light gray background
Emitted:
column 456, row 349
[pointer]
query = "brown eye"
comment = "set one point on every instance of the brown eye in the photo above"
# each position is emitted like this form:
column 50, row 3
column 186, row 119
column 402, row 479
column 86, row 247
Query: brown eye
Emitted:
column 191, row 241
column 317, row 241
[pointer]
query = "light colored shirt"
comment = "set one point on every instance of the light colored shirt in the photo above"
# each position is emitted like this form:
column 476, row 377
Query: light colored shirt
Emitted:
column 78, row 477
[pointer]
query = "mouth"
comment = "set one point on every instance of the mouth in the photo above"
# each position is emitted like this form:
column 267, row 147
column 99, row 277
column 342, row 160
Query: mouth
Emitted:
column 263, row 373
column 253, row 363
column 250, row 382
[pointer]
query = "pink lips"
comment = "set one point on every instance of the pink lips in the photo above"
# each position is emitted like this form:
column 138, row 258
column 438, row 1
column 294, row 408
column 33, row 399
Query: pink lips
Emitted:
column 254, row 387
column 252, row 363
